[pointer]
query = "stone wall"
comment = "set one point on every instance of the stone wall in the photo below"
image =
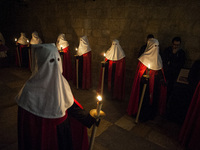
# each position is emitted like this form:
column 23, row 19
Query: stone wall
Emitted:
column 129, row 21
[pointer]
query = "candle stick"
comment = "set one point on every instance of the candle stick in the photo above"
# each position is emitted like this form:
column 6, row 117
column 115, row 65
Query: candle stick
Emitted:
column 96, row 113
column 104, row 56
column 76, row 56
column 143, row 92
column 17, row 49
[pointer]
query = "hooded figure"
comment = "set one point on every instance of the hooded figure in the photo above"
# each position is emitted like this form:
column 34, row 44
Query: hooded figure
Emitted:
column 114, row 78
column 35, row 38
column 3, row 48
column 84, row 63
column 190, row 131
column 22, row 56
column 44, row 104
column 63, row 48
column 155, row 94
column 3, row 52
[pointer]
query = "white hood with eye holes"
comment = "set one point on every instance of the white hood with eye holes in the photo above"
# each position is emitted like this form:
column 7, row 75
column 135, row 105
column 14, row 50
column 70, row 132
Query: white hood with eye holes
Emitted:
column 84, row 46
column 47, row 93
column 151, row 57
column 115, row 52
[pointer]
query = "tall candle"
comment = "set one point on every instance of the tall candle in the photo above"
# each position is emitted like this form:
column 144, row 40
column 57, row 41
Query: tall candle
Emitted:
column 99, row 105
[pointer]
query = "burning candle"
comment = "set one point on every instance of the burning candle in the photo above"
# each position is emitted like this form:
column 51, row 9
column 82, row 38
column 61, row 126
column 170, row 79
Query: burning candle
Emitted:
column 15, row 39
column 104, row 56
column 99, row 105
column 61, row 47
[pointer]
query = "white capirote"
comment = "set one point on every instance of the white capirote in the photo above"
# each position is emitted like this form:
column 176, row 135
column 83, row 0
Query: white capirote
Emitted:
column 61, row 42
column 151, row 57
column 23, row 40
column 84, row 46
column 35, row 38
column 47, row 93
column 115, row 52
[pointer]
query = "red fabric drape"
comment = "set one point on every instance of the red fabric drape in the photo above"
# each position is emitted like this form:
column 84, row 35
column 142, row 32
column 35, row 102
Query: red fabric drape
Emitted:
column 134, row 98
column 190, row 131
column 37, row 132
column 19, row 50
column 79, row 133
column 40, row 133
column 86, row 79
column 67, row 65
column 119, row 79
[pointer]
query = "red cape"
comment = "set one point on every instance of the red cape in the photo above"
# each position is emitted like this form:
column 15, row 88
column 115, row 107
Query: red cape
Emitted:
column 135, row 98
column 19, row 51
column 37, row 133
column 67, row 65
column 119, row 79
column 86, row 71
column 190, row 131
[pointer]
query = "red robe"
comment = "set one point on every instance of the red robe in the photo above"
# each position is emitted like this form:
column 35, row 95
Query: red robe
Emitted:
column 84, row 71
column 37, row 133
column 117, row 90
column 67, row 66
column 190, row 131
column 22, row 50
column 135, row 93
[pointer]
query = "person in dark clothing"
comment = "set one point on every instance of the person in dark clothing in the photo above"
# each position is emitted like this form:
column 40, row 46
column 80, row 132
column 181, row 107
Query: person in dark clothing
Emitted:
column 194, row 75
column 142, row 49
column 173, row 60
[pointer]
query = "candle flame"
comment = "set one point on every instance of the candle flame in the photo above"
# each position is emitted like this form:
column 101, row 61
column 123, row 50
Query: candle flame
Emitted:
column 27, row 41
column 99, row 98
column 61, row 46
column 76, row 49
column 104, row 54
column 148, row 65
column 15, row 39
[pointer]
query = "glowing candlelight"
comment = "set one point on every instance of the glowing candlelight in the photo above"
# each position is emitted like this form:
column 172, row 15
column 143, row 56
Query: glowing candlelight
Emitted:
column 99, row 98
column 61, row 47
column 15, row 39
column 104, row 54
column 27, row 41
column 99, row 105
column 76, row 49
column 148, row 69
column 149, row 66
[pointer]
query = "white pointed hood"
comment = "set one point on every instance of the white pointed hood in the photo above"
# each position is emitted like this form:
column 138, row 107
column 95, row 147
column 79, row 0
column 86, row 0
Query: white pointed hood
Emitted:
column 23, row 40
column 115, row 52
column 47, row 93
column 35, row 39
column 61, row 42
column 151, row 55
column 84, row 46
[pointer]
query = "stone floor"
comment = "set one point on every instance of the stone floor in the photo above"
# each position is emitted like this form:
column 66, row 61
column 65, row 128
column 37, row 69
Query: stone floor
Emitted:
column 117, row 131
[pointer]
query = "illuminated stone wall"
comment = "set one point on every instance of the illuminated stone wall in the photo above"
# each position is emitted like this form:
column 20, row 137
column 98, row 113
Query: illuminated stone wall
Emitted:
column 129, row 21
